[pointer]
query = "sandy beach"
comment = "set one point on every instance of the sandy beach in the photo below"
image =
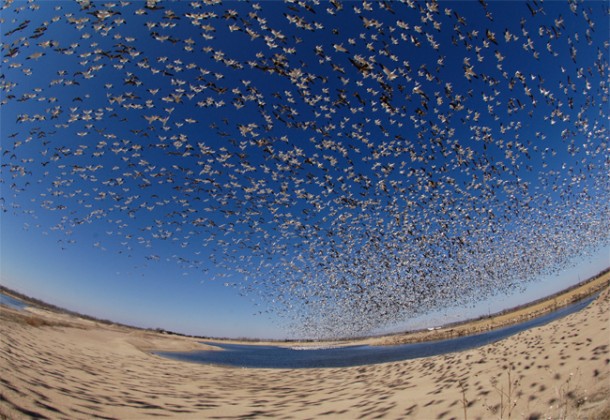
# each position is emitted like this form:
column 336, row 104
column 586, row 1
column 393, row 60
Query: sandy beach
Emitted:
column 59, row 366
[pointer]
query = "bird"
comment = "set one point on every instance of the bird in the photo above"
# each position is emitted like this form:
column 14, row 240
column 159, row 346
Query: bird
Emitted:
column 351, row 164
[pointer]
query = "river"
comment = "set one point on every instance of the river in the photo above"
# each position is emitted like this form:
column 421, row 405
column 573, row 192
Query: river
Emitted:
column 264, row 356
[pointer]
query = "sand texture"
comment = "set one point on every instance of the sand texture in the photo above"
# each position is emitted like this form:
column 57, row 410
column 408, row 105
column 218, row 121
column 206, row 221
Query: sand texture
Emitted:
column 69, row 368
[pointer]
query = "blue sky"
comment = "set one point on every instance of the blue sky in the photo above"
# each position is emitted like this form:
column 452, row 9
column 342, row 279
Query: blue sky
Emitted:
column 272, row 169
column 101, row 284
column 162, row 296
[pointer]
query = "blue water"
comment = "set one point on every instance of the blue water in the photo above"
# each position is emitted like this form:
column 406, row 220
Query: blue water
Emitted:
column 11, row 302
column 254, row 356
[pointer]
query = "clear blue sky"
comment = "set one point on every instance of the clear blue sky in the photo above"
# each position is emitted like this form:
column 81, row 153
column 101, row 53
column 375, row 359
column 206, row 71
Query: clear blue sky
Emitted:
column 278, row 169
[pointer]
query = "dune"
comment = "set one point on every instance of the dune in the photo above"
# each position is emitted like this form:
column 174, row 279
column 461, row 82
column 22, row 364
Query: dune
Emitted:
column 66, row 367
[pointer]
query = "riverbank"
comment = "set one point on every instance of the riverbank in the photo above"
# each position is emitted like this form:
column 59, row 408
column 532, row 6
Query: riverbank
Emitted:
column 60, row 366
column 502, row 319
column 458, row 329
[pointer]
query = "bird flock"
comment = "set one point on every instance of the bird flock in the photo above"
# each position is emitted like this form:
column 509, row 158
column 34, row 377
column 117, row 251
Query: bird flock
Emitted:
column 347, row 164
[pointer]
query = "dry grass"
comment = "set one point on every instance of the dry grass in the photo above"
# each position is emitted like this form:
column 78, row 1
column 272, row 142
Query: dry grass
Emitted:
column 500, row 320
column 571, row 401
column 507, row 393
column 20, row 317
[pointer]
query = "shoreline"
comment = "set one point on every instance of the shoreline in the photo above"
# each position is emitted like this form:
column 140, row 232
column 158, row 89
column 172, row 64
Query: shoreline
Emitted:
column 474, row 326
column 504, row 318
column 508, row 317
column 60, row 366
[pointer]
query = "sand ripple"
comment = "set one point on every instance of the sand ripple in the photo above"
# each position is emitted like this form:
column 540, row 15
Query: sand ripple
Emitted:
column 94, row 371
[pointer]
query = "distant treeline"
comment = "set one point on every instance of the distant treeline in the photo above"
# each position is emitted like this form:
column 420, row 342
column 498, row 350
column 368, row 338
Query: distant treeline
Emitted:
column 48, row 306
column 534, row 302
column 54, row 308
column 44, row 305
column 555, row 295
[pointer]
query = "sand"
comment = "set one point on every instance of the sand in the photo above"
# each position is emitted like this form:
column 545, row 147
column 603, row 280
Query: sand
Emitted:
column 64, row 367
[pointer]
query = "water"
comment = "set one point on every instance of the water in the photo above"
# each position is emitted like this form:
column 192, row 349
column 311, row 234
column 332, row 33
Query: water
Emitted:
column 11, row 302
column 254, row 356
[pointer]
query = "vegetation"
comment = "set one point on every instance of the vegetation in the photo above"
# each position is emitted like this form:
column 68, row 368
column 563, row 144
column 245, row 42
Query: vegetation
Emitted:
column 47, row 306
